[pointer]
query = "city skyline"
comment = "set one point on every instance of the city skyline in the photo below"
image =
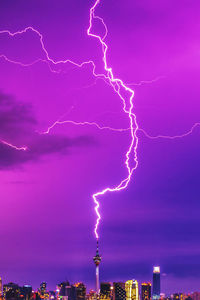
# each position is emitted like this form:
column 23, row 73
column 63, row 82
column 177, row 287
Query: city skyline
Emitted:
column 66, row 137
column 129, row 290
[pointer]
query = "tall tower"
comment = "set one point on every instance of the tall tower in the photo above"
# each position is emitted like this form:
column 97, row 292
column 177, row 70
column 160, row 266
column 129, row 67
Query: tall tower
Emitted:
column 156, row 283
column 97, row 260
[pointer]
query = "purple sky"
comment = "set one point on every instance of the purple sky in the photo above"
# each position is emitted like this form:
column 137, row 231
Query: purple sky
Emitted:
column 47, row 215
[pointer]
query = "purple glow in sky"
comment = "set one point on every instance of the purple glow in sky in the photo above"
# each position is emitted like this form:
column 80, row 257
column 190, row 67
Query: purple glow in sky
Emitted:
column 47, row 211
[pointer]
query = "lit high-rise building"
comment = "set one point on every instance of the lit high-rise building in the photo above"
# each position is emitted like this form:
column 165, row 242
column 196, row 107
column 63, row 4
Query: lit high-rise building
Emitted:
column 146, row 291
column 1, row 286
column 80, row 291
column 43, row 291
column 131, row 288
column 105, row 290
column 97, row 260
column 11, row 290
column 156, row 282
column 195, row 296
column 43, row 287
column 91, row 295
column 26, row 291
column 119, row 292
column 67, row 291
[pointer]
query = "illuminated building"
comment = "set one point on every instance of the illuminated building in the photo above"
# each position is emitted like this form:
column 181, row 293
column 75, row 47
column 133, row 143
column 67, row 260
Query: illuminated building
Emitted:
column 0, row 286
column 105, row 290
column 146, row 291
column 91, row 295
column 52, row 295
column 71, row 292
column 119, row 292
column 26, row 292
column 43, row 291
column 97, row 260
column 62, row 288
column 80, row 291
column 67, row 291
column 156, row 282
column 163, row 297
column 195, row 296
column 176, row 296
column 43, row 287
column 35, row 296
column 11, row 291
column 131, row 288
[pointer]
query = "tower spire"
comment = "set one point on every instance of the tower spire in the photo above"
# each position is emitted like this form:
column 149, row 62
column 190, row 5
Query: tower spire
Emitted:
column 97, row 260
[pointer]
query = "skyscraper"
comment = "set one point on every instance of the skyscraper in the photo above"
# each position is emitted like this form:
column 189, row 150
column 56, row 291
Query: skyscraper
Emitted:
column 11, row 290
column 146, row 291
column 43, row 287
column 105, row 290
column 156, row 282
column 80, row 291
column 0, row 286
column 97, row 260
column 131, row 288
column 67, row 291
column 119, row 292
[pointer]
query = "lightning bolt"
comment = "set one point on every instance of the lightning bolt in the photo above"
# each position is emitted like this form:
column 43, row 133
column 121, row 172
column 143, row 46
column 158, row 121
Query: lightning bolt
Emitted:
column 172, row 137
column 118, row 86
column 143, row 82
column 123, row 90
column 85, row 123
column 24, row 148
column 95, row 124
column 48, row 58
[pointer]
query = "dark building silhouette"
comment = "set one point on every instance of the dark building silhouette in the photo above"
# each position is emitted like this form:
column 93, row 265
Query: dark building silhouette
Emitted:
column 156, row 282
column 146, row 291
column 25, row 292
column 80, row 291
column 119, row 292
column 71, row 292
column 11, row 291
column 105, row 290
column 67, row 290
column 62, row 288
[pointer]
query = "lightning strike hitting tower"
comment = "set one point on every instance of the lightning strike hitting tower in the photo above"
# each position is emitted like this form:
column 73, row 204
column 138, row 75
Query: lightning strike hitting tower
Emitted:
column 97, row 260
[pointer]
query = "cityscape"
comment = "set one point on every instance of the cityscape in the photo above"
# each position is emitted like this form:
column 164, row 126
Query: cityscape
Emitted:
column 128, row 290
column 99, row 150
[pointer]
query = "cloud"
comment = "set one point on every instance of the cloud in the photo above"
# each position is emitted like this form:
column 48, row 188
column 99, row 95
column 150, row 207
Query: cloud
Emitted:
column 17, row 124
column 40, row 146
column 16, row 118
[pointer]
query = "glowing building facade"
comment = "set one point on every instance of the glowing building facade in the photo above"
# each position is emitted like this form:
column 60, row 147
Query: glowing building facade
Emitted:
column 146, row 291
column 132, row 291
column 80, row 291
column 156, row 283
column 1, row 286
column 105, row 291
column 119, row 292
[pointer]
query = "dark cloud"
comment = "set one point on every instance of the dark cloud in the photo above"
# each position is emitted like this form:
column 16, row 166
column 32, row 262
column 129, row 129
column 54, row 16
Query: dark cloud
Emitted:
column 15, row 117
column 17, row 123
column 40, row 145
